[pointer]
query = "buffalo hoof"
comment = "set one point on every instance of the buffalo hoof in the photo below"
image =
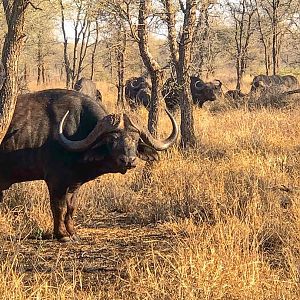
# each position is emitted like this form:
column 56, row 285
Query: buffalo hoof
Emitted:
column 65, row 239
column 75, row 238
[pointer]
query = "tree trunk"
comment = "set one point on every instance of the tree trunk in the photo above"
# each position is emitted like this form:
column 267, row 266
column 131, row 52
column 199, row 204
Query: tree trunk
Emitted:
column 242, row 14
column 172, row 34
column 121, row 68
column 188, row 138
column 238, row 74
column 153, row 68
column 201, row 37
column 94, row 52
column 157, row 84
column 39, row 60
column 14, row 13
column 43, row 73
column 274, row 35
column 76, row 41
column 66, row 58
column 85, row 37
column 25, row 73
column 121, row 65
column 181, row 60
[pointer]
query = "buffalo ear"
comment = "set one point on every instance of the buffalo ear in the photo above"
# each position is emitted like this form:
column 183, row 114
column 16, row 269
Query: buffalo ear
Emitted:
column 96, row 153
column 147, row 153
column 92, row 156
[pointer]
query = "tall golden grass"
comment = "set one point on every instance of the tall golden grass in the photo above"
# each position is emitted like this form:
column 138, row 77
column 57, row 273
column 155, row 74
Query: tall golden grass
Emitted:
column 219, row 222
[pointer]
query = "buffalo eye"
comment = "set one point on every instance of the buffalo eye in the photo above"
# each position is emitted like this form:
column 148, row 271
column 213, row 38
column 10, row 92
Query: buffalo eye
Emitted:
column 114, row 138
column 110, row 139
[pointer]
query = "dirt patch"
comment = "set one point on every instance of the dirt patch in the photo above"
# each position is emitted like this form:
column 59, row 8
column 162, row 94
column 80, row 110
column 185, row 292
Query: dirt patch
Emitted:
column 100, row 256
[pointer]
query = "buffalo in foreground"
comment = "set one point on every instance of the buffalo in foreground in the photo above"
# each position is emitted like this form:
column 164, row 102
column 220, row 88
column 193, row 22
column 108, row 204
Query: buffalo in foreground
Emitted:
column 265, row 82
column 137, row 92
column 88, row 87
column 66, row 139
column 201, row 92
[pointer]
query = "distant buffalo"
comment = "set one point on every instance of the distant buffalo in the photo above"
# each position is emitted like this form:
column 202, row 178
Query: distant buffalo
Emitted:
column 88, row 87
column 137, row 92
column 265, row 81
column 234, row 95
column 201, row 91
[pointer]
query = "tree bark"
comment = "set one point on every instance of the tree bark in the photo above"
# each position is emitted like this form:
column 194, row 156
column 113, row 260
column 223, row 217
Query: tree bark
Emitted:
column 242, row 14
column 172, row 34
column 181, row 60
column 39, row 61
column 14, row 39
column 86, row 34
column 188, row 139
column 154, row 69
column 94, row 51
column 275, row 4
column 201, row 37
column 120, row 54
column 263, row 40
column 66, row 58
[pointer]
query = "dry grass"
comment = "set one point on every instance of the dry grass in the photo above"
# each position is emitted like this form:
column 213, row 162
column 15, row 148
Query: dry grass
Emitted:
column 219, row 222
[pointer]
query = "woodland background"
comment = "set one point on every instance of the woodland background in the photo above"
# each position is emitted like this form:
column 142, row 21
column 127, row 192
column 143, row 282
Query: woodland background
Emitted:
column 231, row 37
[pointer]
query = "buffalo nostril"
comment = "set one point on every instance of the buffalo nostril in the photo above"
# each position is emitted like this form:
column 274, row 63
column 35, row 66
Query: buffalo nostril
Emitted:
column 131, row 159
column 128, row 161
column 123, row 159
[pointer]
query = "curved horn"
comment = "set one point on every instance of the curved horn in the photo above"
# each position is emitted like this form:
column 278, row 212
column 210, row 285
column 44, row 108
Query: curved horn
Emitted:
column 217, row 82
column 199, row 85
column 165, row 144
column 137, row 85
column 107, row 124
column 154, row 143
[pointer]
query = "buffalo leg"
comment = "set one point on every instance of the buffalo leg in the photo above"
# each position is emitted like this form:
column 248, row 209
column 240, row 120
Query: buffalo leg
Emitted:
column 58, row 202
column 71, row 207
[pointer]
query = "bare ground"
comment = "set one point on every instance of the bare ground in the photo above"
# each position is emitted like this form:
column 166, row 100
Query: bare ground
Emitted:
column 106, row 244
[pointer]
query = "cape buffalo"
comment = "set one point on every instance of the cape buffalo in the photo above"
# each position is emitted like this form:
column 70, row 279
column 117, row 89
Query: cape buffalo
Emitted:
column 201, row 91
column 234, row 95
column 66, row 139
column 137, row 92
column 88, row 87
column 265, row 81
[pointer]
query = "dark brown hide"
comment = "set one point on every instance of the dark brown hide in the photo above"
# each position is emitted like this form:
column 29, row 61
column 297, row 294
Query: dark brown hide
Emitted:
column 137, row 92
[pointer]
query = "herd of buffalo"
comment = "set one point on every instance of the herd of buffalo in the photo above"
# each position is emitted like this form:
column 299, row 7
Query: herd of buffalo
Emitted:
column 138, row 90
column 67, row 137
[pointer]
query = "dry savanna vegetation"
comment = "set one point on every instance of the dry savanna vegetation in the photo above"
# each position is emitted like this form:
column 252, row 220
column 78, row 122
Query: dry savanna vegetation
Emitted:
column 218, row 216
column 218, row 222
